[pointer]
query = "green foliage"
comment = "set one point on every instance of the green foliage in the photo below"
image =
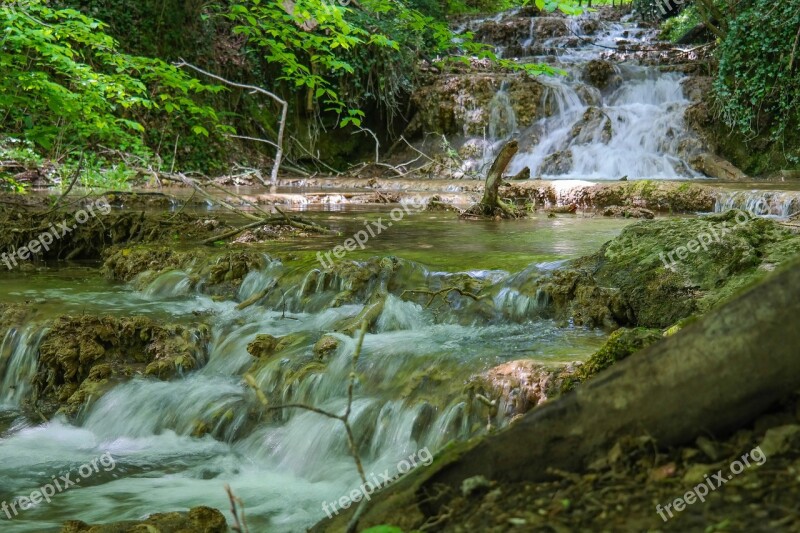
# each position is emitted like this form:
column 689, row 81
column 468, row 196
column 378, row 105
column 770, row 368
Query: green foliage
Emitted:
column 758, row 85
column 383, row 529
column 345, row 56
column 676, row 27
column 458, row 7
column 19, row 152
column 95, row 172
column 66, row 85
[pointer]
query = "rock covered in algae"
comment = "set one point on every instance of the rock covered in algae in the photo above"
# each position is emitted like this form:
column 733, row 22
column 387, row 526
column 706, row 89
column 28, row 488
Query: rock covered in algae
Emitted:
column 219, row 272
column 80, row 358
column 649, row 276
column 523, row 384
column 196, row 520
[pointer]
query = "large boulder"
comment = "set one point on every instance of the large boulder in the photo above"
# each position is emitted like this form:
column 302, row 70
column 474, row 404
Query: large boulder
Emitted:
column 656, row 273
column 718, row 167
column 601, row 74
column 519, row 386
column 459, row 103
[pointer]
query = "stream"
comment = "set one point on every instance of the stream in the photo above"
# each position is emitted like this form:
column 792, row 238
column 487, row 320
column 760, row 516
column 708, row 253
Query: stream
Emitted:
column 415, row 362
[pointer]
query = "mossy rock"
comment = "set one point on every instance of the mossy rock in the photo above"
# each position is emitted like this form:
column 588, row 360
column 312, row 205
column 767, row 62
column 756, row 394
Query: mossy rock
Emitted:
column 263, row 347
column 633, row 281
column 326, row 346
column 127, row 262
column 197, row 520
column 216, row 272
column 621, row 344
column 80, row 358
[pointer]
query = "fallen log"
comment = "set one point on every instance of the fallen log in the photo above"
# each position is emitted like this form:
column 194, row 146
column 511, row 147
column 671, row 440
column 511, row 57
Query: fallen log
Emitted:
column 710, row 378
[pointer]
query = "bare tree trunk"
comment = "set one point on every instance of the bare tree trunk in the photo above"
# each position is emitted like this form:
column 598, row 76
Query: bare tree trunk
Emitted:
column 495, row 177
column 491, row 205
column 712, row 377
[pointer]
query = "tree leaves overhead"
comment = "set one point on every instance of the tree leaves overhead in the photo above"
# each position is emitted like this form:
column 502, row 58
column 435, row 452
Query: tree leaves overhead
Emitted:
column 66, row 84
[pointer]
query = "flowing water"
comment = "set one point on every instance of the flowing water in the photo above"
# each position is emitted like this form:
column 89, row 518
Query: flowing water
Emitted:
column 410, row 393
column 631, row 127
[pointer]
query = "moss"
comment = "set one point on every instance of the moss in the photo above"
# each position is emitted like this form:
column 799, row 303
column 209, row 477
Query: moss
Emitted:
column 621, row 344
column 632, row 280
column 198, row 519
column 90, row 239
column 80, row 358
column 126, row 263
column 326, row 346
column 263, row 347
column 220, row 272
column 757, row 156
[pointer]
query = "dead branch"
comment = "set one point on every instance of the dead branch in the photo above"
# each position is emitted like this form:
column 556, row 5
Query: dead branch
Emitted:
column 280, row 101
column 377, row 142
column 491, row 205
column 345, row 417
column 240, row 527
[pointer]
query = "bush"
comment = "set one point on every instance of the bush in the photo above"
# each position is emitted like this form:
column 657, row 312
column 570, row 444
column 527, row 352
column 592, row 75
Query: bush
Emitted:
column 758, row 86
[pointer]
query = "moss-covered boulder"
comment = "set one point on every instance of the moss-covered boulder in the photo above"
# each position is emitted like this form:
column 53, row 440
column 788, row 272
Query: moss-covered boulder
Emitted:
column 196, row 520
column 656, row 273
column 127, row 262
column 80, row 358
column 220, row 272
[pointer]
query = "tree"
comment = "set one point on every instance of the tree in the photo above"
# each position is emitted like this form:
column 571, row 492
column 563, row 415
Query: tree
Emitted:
column 66, row 85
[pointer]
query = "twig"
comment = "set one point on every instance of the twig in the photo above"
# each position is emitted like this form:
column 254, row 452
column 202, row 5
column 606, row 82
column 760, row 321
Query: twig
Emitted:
column 174, row 154
column 420, row 153
column 71, row 184
column 345, row 417
column 233, row 232
column 377, row 142
column 192, row 183
column 241, row 527
column 315, row 158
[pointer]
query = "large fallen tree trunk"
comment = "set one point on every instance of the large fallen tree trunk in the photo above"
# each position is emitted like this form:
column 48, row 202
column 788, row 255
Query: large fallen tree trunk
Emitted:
column 712, row 377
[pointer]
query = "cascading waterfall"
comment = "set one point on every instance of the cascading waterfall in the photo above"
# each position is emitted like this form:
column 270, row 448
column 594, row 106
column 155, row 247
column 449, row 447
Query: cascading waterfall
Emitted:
column 636, row 131
column 208, row 427
column 630, row 127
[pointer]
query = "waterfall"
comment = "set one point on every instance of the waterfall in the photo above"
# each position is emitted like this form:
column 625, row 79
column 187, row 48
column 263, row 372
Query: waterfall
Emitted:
column 18, row 360
column 598, row 121
column 782, row 204
column 502, row 120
